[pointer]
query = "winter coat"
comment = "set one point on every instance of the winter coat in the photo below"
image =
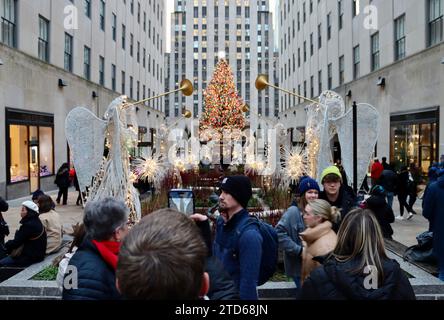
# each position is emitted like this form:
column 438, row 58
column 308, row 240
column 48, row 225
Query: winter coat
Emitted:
column 334, row 281
column 383, row 213
column 240, row 254
column 62, row 179
column 288, row 229
column 32, row 236
column 376, row 171
column 318, row 241
column 388, row 180
column 53, row 226
column 222, row 287
column 403, row 183
column 346, row 201
column 434, row 212
column 96, row 279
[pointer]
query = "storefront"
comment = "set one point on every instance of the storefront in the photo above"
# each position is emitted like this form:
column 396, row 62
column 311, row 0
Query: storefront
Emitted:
column 29, row 150
column 414, row 137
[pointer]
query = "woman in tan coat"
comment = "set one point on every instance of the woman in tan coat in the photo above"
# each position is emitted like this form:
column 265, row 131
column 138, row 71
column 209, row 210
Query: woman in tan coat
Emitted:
column 318, row 239
column 51, row 221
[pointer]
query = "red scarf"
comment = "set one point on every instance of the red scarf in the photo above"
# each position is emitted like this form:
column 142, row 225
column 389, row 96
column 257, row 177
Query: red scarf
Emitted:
column 109, row 251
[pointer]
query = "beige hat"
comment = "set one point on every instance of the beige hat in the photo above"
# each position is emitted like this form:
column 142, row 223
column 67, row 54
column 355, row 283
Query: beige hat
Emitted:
column 31, row 205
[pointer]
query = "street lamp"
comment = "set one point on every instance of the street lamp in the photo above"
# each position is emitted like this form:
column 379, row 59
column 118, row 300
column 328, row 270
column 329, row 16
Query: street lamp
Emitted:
column 355, row 148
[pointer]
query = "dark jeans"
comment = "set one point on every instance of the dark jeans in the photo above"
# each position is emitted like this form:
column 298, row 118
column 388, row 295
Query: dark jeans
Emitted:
column 402, row 198
column 64, row 192
column 412, row 200
column 16, row 262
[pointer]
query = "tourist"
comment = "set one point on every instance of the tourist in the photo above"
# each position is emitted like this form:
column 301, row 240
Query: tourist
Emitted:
column 382, row 211
column 335, row 193
column 318, row 238
column 244, row 267
column 62, row 181
column 389, row 181
column 291, row 225
column 385, row 164
column 163, row 258
column 358, row 268
column 433, row 211
column 96, row 259
column 376, row 171
column 403, row 192
column 51, row 221
column 29, row 243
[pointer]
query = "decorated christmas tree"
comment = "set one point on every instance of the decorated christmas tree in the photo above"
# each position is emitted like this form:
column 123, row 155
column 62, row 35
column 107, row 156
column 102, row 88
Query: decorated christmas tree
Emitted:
column 223, row 106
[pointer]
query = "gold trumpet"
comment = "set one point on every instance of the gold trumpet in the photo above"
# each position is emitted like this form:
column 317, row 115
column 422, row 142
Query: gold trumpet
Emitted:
column 262, row 83
column 185, row 86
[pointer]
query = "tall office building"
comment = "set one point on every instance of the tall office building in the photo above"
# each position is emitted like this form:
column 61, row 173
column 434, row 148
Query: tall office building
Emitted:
column 204, row 30
column 386, row 53
column 56, row 55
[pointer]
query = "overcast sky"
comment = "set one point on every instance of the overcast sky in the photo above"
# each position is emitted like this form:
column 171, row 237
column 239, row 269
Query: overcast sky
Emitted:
column 170, row 7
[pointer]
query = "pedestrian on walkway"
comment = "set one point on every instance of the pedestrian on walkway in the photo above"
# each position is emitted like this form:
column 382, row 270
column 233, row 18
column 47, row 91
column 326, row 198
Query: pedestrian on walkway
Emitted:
column 385, row 164
column 376, row 171
column 358, row 268
column 403, row 193
column 433, row 211
column 389, row 181
column 95, row 260
column 319, row 239
column 291, row 225
column 62, row 181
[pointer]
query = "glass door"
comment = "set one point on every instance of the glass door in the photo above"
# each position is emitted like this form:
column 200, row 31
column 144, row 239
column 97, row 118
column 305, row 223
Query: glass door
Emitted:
column 34, row 167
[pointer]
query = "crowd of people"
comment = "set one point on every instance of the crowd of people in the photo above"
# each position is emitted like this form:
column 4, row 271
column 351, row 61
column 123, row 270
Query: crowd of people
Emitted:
column 332, row 244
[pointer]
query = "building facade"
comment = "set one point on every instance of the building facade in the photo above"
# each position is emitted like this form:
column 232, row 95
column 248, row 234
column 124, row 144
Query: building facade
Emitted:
column 385, row 53
column 239, row 30
column 56, row 55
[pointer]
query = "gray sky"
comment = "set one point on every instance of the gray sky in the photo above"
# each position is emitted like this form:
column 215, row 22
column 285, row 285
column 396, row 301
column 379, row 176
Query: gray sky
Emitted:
column 170, row 7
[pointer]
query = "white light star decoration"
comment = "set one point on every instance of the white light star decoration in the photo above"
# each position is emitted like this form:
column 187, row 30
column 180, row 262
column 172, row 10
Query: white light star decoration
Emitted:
column 296, row 161
column 151, row 169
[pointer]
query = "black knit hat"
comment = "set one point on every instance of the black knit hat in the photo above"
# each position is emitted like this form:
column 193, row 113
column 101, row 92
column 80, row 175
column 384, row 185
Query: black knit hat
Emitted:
column 239, row 187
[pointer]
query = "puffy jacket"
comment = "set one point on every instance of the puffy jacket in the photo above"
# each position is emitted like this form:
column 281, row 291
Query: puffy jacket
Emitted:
column 388, row 180
column 383, row 213
column 346, row 202
column 96, row 280
column 334, row 281
column 222, row 287
column 433, row 211
column 240, row 254
column 33, row 250
column 288, row 229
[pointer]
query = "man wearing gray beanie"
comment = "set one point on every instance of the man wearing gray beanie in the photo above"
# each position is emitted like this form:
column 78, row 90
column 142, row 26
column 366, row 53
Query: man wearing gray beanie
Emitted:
column 242, row 258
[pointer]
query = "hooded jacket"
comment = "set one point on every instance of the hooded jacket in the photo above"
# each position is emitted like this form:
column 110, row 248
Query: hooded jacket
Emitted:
column 383, row 213
column 335, row 281
column 317, row 241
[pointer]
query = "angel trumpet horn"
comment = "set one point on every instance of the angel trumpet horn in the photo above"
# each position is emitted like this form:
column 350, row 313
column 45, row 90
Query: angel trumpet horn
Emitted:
column 262, row 83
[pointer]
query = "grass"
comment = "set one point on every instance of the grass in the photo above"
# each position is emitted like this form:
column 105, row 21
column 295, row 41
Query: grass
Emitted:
column 47, row 274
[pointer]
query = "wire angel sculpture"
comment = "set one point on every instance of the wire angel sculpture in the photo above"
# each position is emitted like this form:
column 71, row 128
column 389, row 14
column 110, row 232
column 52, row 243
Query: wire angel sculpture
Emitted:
column 105, row 176
column 328, row 118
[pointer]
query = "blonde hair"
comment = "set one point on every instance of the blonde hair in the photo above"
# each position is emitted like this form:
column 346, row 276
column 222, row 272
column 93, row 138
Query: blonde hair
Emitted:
column 360, row 237
column 324, row 210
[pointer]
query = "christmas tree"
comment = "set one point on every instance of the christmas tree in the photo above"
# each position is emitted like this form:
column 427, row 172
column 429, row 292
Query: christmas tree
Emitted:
column 223, row 106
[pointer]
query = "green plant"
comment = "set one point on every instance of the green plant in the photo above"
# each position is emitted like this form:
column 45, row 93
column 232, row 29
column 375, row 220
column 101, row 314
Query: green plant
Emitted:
column 47, row 274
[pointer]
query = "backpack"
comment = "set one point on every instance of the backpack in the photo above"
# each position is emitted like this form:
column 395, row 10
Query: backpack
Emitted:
column 423, row 251
column 270, row 247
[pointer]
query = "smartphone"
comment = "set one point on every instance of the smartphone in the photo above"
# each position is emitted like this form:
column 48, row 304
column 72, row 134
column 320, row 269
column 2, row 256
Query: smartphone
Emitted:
column 181, row 200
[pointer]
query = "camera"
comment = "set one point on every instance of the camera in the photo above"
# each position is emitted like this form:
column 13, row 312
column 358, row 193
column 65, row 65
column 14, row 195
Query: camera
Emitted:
column 182, row 200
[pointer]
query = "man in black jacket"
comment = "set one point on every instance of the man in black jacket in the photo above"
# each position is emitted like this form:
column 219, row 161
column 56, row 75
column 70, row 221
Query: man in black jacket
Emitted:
column 389, row 181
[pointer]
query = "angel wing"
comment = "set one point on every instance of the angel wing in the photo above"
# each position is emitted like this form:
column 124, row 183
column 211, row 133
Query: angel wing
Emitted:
column 368, row 131
column 86, row 137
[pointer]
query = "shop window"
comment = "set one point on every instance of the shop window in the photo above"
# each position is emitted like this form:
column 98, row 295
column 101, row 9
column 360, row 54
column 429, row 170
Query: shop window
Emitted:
column 18, row 137
column 46, row 151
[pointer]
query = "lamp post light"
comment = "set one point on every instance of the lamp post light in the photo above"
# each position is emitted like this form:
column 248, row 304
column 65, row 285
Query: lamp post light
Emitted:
column 355, row 148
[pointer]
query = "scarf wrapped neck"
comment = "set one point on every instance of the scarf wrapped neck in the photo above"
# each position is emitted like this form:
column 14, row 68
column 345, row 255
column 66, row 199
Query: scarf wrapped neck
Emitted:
column 109, row 250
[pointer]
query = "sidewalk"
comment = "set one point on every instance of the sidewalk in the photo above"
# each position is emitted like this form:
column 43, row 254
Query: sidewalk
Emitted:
column 405, row 231
column 69, row 214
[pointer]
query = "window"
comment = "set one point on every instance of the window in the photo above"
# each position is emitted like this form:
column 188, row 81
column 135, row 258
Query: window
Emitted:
column 102, row 15
column 319, row 36
column 131, row 44
column 101, row 71
column 123, row 36
column 87, row 62
column 341, row 70
column 68, row 52
column 340, row 14
column 330, row 76
column 399, row 38
column 114, row 26
column 320, row 82
column 113, row 77
column 18, row 137
column 123, row 83
column 87, row 7
column 435, row 26
column 311, row 44
column 356, row 62
column 43, row 39
column 375, row 51
column 8, row 23
column 131, row 87
column 356, row 8
column 329, row 26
